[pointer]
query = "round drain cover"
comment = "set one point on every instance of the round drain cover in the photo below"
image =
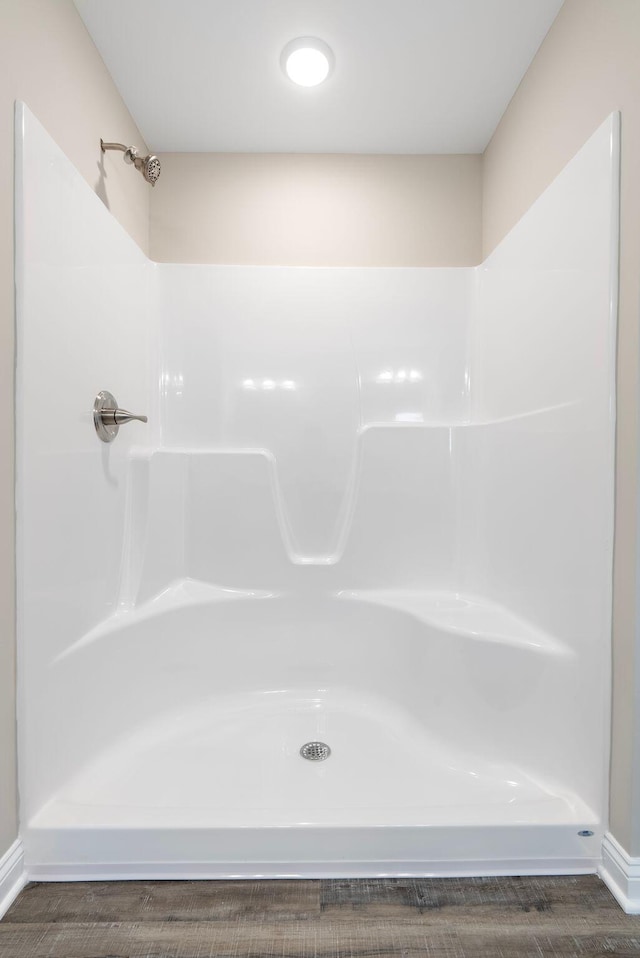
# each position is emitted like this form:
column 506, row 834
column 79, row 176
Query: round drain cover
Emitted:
column 315, row 751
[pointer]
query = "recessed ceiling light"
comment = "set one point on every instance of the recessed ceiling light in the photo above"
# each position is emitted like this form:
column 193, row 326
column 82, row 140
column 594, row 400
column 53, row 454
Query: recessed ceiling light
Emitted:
column 307, row 61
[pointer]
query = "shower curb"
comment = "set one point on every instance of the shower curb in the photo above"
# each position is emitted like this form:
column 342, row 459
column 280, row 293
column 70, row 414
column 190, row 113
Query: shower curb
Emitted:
column 621, row 874
column 12, row 875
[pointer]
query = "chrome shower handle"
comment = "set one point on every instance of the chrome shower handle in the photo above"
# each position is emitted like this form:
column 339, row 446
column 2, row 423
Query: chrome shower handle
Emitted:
column 108, row 417
column 118, row 417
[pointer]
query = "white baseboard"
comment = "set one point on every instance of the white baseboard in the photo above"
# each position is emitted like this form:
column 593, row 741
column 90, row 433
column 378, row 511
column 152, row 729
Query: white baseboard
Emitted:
column 12, row 875
column 621, row 874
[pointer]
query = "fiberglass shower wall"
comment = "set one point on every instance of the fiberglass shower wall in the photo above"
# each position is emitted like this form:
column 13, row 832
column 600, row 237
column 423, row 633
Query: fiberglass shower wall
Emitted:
column 540, row 479
column 82, row 298
column 392, row 486
column 323, row 429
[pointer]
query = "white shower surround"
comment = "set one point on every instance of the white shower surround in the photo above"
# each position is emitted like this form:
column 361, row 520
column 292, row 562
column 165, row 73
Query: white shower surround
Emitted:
column 372, row 507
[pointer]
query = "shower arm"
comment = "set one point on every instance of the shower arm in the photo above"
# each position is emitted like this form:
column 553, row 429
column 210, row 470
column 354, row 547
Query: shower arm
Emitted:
column 130, row 152
column 112, row 146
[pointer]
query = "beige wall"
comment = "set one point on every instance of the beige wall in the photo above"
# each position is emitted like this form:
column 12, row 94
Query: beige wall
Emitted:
column 588, row 66
column 48, row 60
column 317, row 210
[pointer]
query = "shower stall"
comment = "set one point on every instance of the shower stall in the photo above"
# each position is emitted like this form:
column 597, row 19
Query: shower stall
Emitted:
column 372, row 509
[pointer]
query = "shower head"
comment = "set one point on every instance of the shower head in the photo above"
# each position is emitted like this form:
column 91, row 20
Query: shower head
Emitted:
column 148, row 165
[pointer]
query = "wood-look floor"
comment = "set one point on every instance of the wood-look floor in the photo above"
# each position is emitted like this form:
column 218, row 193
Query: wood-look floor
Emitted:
column 569, row 917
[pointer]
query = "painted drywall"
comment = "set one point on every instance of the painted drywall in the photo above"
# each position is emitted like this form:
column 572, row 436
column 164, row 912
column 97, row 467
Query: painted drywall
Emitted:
column 587, row 67
column 49, row 61
column 317, row 210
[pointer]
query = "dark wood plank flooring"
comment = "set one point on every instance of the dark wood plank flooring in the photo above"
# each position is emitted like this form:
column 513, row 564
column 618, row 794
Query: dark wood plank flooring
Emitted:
column 568, row 917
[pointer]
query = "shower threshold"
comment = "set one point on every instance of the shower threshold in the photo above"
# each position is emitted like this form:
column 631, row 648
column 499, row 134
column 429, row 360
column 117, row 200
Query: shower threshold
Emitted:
column 69, row 841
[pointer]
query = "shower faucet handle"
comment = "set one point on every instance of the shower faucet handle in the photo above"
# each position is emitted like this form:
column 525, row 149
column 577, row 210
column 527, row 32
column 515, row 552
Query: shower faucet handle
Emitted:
column 108, row 417
column 118, row 417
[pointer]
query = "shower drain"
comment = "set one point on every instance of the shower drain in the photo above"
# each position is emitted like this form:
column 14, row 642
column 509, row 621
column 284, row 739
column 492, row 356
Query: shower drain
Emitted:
column 315, row 751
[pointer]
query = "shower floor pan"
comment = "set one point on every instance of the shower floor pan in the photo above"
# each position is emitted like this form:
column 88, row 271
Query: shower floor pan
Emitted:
column 225, row 793
column 452, row 746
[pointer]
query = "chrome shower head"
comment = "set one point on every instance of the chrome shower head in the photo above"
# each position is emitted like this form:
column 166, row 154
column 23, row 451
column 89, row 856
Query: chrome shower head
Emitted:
column 148, row 165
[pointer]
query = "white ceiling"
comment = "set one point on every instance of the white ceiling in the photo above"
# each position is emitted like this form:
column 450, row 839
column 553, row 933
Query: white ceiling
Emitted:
column 411, row 76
